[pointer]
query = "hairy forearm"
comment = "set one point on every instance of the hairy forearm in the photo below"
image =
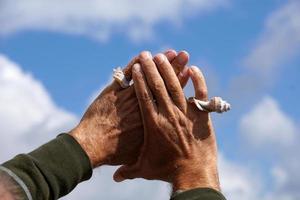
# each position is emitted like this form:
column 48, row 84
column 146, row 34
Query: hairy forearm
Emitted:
column 197, row 175
column 9, row 189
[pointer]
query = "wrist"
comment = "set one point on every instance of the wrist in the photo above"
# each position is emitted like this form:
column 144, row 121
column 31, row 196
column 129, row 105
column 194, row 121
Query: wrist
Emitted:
column 88, row 143
column 189, row 176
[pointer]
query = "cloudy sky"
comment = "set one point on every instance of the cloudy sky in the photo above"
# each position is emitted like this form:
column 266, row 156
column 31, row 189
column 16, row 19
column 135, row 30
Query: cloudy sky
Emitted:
column 55, row 55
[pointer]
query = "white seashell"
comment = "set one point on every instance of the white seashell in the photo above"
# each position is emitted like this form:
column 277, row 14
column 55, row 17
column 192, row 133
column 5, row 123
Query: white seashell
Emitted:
column 119, row 76
column 216, row 104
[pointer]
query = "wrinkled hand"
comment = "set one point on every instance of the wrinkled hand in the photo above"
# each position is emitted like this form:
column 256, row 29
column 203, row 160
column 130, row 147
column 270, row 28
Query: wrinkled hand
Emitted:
column 179, row 141
column 111, row 130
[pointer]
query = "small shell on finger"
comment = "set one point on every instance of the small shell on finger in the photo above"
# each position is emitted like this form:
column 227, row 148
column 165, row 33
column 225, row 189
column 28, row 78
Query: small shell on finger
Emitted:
column 216, row 104
column 119, row 76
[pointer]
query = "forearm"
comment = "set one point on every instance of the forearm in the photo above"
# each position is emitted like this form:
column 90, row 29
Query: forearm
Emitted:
column 196, row 179
column 197, row 187
column 197, row 182
column 53, row 170
column 196, row 172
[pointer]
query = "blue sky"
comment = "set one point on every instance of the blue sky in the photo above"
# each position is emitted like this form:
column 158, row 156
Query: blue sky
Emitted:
column 249, row 51
column 66, row 63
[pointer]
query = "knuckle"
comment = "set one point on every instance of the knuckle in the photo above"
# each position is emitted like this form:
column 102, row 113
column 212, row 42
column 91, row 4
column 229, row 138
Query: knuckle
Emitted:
column 202, row 93
column 177, row 94
column 172, row 118
column 172, row 88
column 157, row 86
column 144, row 96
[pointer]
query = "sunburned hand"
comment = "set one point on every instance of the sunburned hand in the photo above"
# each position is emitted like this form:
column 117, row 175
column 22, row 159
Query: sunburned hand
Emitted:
column 179, row 140
column 111, row 130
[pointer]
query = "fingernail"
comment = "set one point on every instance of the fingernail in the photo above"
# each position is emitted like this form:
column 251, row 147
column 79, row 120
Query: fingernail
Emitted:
column 136, row 67
column 195, row 69
column 182, row 57
column 159, row 58
column 118, row 178
column 170, row 52
column 145, row 55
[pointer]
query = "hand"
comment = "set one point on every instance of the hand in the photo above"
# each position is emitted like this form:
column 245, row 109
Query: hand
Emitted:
column 179, row 141
column 111, row 130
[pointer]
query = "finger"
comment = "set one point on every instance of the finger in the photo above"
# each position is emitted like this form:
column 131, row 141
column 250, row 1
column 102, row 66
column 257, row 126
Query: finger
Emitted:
column 180, row 62
column 199, row 83
column 183, row 76
column 170, row 54
column 128, row 69
column 171, row 81
column 154, row 80
column 142, row 91
column 126, row 172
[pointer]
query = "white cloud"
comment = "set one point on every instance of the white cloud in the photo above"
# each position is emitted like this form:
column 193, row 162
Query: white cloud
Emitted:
column 286, row 177
column 28, row 115
column 280, row 176
column 102, row 186
column 279, row 41
column 97, row 18
column 237, row 181
column 266, row 124
column 285, row 173
column 276, row 46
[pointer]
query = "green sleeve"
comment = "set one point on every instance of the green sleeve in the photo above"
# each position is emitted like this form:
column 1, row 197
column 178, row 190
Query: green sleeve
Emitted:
column 199, row 194
column 51, row 171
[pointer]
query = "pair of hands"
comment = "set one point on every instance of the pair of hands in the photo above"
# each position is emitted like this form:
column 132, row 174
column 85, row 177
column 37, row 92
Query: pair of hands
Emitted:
column 150, row 128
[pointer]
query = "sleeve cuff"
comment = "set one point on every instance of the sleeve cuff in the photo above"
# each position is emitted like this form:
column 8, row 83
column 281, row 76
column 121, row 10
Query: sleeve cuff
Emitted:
column 54, row 169
column 199, row 194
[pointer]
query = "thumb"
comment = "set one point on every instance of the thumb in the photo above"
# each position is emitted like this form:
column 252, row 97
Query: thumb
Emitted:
column 126, row 172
